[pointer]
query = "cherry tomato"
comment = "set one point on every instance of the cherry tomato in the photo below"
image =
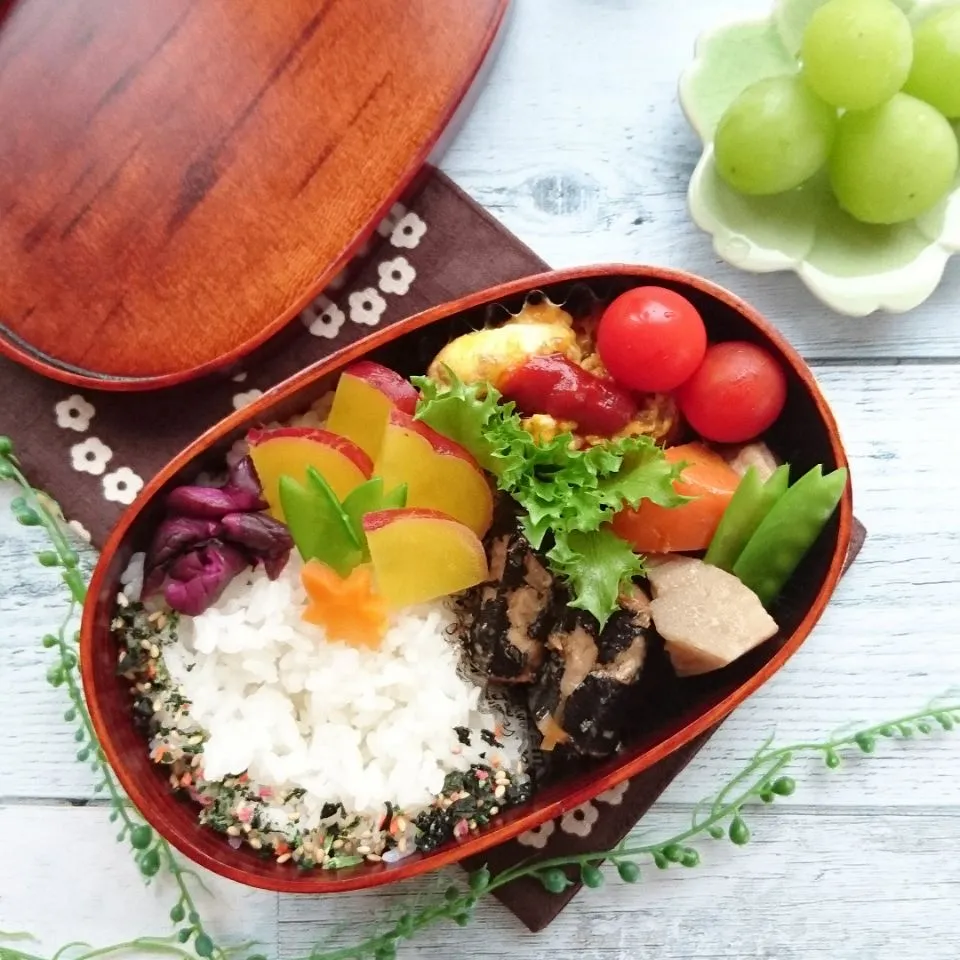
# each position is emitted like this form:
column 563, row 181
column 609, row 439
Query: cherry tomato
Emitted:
column 651, row 339
column 736, row 394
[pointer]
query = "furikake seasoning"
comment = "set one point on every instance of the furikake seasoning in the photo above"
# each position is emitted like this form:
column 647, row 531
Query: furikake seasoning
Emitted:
column 269, row 821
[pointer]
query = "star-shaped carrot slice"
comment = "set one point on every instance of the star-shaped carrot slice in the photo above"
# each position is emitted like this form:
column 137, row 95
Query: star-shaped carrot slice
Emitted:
column 348, row 608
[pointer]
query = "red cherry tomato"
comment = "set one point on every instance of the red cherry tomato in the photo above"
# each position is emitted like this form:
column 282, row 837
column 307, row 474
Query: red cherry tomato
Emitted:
column 651, row 339
column 736, row 394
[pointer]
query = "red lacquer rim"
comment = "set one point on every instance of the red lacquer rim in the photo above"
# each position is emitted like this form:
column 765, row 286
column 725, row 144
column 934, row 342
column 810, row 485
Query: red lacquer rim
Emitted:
column 314, row 882
column 49, row 367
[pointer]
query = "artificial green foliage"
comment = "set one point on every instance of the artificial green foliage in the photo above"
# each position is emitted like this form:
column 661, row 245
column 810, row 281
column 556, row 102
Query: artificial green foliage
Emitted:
column 720, row 817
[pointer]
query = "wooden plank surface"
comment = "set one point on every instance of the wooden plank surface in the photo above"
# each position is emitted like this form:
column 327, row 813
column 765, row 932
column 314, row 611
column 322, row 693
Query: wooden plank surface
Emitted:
column 577, row 136
column 580, row 148
column 887, row 641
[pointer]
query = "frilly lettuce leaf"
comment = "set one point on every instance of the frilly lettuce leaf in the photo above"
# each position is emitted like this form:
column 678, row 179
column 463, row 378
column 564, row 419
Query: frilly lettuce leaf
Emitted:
column 487, row 428
column 596, row 566
column 568, row 493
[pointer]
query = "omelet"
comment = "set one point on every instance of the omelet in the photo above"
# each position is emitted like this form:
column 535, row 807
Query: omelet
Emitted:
column 490, row 354
column 544, row 329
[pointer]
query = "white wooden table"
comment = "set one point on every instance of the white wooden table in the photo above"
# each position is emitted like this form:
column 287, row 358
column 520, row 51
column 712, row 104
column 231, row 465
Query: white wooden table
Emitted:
column 578, row 146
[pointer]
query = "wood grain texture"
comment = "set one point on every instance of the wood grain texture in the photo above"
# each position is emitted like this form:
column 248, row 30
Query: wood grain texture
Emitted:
column 887, row 642
column 813, row 884
column 806, row 888
column 61, row 843
column 178, row 179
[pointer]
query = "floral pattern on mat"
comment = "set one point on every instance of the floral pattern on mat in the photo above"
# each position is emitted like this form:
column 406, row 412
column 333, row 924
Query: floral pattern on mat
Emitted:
column 366, row 306
column 90, row 456
column 122, row 486
column 74, row 413
column 396, row 275
column 408, row 232
column 578, row 822
column 323, row 318
column 245, row 398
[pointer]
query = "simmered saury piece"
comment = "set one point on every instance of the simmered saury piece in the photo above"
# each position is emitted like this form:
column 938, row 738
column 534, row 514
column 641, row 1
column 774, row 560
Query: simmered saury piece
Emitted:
column 586, row 688
column 513, row 611
column 706, row 616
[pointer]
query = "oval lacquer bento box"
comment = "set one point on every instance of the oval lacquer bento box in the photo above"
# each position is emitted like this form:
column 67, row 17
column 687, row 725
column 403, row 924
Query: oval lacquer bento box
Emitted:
column 805, row 435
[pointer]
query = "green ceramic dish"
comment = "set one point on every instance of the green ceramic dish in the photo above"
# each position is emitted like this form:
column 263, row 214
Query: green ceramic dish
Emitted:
column 853, row 268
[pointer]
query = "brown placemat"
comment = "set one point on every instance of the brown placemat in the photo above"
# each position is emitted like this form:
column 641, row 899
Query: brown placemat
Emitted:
column 598, row 825
column 93, row 450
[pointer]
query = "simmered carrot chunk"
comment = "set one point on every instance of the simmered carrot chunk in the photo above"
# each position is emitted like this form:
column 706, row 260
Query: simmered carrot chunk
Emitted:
column 709, row 479
column 348, row 608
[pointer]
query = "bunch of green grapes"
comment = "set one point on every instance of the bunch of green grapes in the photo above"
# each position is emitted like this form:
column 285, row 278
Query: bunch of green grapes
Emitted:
column 872, row 100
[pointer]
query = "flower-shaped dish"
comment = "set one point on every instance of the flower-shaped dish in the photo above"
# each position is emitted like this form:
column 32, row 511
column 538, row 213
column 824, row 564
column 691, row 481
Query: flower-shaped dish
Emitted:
column 854, row 268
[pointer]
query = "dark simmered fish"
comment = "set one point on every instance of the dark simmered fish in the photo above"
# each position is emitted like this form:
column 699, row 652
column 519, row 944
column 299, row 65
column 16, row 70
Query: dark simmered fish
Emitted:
column 511, row 614
column 583, row 695
column 520, row 630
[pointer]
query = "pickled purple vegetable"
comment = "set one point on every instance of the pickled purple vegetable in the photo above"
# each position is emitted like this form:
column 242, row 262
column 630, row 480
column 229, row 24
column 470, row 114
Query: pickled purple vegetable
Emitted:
column 196, row 580
column 176, row 535
column 211, row 534
column 267, row 539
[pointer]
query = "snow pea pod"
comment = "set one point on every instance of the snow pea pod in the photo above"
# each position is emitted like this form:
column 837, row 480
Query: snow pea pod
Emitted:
column 318, row 524
column 751, row 502
column 788, row 531
column 367, row 498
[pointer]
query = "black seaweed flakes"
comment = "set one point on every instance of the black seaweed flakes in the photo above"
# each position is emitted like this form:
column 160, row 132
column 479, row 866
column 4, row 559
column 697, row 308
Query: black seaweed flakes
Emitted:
column 469, row 801
column 489, row 737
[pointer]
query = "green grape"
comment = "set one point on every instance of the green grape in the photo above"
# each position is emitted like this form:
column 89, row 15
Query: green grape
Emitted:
column 773, row 137
column 857, row 53
column 894, row 162
column 935, row 76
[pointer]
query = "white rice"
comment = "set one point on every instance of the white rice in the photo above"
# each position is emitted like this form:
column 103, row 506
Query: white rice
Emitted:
column 131, row 580
column 291, row 709
column 272, row 699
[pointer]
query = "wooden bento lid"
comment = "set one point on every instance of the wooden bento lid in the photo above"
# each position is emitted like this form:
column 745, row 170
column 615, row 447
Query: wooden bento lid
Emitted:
column 178, row 179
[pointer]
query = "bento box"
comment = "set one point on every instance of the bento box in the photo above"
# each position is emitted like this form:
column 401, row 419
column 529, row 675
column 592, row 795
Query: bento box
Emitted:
column 463, row 576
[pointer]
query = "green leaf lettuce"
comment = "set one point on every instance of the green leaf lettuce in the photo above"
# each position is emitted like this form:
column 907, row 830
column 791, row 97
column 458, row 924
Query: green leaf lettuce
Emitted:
column 566, row 494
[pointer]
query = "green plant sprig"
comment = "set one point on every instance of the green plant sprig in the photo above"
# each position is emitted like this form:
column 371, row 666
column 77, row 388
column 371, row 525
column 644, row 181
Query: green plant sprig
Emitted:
column 161, row 946
column 33, row 508
column 763, row 779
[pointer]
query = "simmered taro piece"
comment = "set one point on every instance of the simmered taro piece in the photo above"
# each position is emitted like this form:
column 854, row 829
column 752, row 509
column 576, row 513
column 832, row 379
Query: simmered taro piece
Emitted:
column 585, row 692
column 512, row 613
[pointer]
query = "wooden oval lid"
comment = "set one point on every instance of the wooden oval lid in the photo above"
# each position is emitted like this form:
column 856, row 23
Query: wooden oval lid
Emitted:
column 179, row 178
